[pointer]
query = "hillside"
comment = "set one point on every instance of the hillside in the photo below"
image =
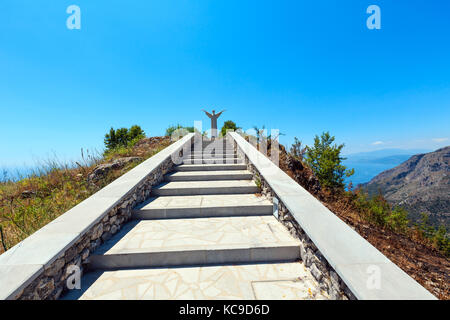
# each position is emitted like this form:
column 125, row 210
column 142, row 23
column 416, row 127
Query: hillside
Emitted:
column 410, row 252
column 29, row 204
column 420, row 184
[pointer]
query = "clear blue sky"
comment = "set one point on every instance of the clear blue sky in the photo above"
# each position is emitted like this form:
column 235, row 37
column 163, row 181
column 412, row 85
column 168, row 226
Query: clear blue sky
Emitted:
column 300, row 66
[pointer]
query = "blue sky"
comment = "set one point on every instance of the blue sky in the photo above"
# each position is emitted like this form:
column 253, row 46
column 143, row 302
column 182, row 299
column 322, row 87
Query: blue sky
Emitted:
column 300, row 66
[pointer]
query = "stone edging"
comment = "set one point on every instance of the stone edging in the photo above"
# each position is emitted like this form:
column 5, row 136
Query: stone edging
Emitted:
column 345, row 264
column 38, row 267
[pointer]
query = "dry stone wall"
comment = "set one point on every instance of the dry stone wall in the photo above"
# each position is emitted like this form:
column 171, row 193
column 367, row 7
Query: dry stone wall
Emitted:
column 329, row 281
column 52, row 283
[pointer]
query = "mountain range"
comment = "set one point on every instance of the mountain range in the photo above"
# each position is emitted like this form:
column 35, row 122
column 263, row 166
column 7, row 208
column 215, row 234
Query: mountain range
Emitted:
column 421, row 184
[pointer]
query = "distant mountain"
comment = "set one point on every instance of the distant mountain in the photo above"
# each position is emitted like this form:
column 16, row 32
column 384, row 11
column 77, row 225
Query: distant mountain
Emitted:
column 368, row 164
column 383, row 153
column 420, row 184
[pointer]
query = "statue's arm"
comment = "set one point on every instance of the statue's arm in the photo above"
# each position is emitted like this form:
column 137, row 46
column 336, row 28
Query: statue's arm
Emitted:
column 207, row 113
column 218, row 114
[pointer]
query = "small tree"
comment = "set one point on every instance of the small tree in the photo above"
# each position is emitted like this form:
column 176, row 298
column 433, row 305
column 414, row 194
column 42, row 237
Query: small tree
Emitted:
column 110, row 139
column 228, row 125
column 122, row 137
column 326, row 161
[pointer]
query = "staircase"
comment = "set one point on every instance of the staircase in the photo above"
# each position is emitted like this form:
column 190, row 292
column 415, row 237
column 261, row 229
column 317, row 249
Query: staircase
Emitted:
column 204, row 234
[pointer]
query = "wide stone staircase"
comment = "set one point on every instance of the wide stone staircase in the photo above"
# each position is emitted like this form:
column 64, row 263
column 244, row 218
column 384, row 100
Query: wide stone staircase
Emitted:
column 204, row 234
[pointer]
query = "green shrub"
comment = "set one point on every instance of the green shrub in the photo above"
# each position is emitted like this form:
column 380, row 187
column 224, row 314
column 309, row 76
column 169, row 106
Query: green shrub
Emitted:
column 424, row 226
column 441, row 240
column 228, row 125
column 398, row 220
column 437, row 236
column 326, row 162
column 123, row 137
column 170, row 130
column 377, row 210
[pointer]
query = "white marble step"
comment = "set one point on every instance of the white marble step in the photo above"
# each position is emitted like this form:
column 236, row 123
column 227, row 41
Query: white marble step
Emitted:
column 214, row 161
column 209, row 175
column 210, row 155
column 210, row 167
column 268, row 281
column 202, row 241
column 172, row 207
column 184, row 188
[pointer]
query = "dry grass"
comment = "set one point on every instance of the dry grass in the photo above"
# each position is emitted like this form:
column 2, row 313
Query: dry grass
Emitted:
column 30, row 203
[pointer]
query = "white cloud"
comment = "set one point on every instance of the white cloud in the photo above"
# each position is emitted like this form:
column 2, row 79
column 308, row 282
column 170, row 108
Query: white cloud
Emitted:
column 377, row 143
column 439, row 139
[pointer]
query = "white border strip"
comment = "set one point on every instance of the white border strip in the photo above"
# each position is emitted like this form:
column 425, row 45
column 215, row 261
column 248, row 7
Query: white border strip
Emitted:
column 354, row 259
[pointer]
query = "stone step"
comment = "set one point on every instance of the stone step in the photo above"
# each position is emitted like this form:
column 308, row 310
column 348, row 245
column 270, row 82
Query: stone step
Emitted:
column 217, row 146
column 213, row 161
column 208, row 175
column 202, row 241
column 213, row 155
column 184, row 188
column 173, row 207
column 218, row 152
column 210, row 167
column 267, row 281
column 218, row 142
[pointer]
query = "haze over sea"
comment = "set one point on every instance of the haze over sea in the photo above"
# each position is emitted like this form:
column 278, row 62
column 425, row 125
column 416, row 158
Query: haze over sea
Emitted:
column 366, row 164
column 369, row 164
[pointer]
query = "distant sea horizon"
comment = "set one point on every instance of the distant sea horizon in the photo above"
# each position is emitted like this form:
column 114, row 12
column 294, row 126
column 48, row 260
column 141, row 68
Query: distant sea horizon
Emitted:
column 15, row 173
column 367, row 165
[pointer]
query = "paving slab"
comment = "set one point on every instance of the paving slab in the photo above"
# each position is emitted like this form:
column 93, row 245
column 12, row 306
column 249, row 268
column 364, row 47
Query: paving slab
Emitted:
column 284, row 281
column 210, row 167
column 172, row 207
column 211, row 155
column 209, row 175
column 182, row 188
column 213, row 161
column 197, row 241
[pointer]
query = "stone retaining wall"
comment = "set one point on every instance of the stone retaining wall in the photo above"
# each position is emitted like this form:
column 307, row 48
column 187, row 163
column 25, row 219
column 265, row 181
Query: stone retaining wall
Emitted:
column 52, row 283
column 31, row 270
column 329, row 281
column 345, row 264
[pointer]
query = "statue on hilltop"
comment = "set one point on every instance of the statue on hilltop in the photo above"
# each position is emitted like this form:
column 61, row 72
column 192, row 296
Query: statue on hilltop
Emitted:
column 213, row 118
